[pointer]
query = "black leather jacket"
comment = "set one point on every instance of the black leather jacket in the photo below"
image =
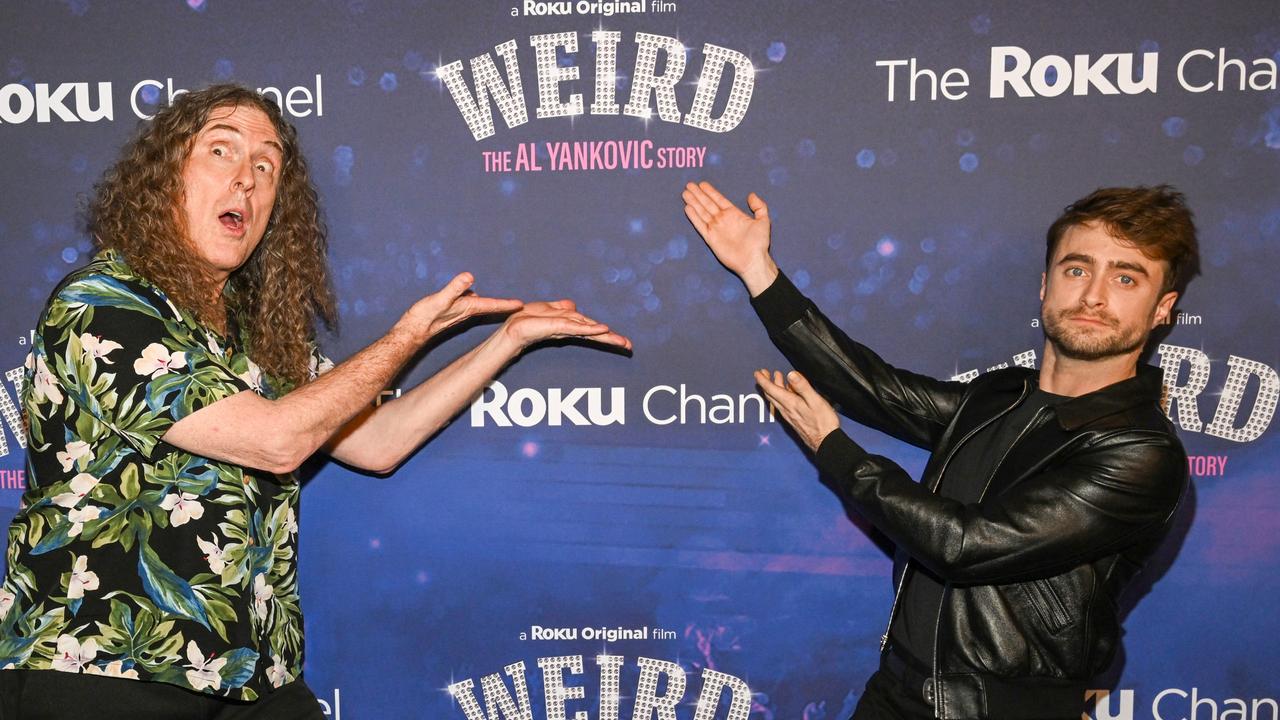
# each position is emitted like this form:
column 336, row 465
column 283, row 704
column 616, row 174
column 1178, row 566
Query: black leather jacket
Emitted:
column 1033, row 570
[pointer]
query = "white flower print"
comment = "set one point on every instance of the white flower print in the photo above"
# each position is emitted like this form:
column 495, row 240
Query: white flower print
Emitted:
column 182, row 508
column 277, row 675
column 291, row 521
column 212, row 344
column 319, row 365
column 72, row 655
column 113, row 669
column 6, row 602
column 213, row 554
column 76, row 449
column 253, row 377
column 204, row 671
column 82, row 578
column 262, row 593
column 156, row 360
column 81, row 484
column 81, row 516
column 97, row 348
column 43, row 383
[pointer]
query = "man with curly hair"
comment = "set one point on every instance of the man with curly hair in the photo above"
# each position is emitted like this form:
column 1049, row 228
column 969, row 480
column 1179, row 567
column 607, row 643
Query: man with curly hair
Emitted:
column 173, row 389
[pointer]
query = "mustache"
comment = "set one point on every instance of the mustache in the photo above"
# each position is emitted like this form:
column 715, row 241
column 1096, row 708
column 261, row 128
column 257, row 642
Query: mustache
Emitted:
column 1109, row 320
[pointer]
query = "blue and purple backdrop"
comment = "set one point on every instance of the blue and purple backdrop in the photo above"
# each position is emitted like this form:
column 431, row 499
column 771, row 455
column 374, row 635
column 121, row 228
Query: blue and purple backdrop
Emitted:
column 912, row 153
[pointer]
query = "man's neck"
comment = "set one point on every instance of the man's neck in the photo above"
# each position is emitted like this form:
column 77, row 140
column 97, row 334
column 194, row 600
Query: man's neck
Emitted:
column 1072, row 377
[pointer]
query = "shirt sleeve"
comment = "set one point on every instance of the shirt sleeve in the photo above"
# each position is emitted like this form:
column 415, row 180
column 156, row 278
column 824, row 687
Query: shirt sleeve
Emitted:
column 1115, row 491
column 127, row 359
column 911, row 407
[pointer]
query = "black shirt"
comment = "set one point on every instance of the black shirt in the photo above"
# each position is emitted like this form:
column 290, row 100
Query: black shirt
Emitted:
column 966, row 478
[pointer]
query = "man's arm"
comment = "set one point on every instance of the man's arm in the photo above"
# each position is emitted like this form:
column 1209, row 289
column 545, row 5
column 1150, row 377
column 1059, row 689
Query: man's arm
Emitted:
column 911, row 407
column 380, row 438
column 277, row 435
column 1117, row 490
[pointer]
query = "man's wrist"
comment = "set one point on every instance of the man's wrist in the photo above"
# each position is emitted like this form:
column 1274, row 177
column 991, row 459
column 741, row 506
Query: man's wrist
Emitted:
column 411, row 329
column 760, row 276
column 507, row 342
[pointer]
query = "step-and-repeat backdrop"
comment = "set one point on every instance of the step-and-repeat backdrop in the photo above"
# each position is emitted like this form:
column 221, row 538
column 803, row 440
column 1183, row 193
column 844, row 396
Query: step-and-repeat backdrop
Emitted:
column 639, row 527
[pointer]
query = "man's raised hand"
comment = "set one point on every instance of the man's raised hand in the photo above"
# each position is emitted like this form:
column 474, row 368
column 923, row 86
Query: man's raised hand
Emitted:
column 739, row 241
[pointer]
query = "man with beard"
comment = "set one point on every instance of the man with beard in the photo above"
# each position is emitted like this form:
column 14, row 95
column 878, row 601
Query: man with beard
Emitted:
column 1045, row 492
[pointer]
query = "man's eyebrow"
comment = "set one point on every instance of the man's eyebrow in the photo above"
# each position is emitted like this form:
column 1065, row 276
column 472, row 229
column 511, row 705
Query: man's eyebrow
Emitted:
column 1126, row 265
column 1076, row 257
column 1117, row 264
column 229, row 128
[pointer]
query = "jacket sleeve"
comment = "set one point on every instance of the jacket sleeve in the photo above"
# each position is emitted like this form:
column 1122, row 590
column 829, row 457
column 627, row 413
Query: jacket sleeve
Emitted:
column 1118, row 489
column 913, row 408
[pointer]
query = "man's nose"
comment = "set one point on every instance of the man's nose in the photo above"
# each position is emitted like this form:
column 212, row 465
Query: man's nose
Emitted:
column 1095, row 293
column 243, row 179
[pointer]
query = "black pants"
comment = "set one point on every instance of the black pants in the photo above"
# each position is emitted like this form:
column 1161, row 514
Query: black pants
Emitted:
column 53, row 695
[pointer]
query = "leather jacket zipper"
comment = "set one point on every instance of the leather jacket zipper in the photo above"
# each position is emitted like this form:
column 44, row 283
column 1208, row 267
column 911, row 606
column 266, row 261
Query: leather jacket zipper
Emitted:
column 946, row 587
column 906, row 568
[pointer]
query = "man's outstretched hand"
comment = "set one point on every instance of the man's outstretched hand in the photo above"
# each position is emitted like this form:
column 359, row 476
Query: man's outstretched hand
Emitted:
column 558, row 319
column 740, row 241
column 800, row 405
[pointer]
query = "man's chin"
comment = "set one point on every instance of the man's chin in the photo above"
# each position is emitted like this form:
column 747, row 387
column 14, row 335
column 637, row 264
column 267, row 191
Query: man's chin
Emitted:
column 1091, row 349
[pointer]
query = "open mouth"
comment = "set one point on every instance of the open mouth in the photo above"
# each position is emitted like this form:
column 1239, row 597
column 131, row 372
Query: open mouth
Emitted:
column 232, row 220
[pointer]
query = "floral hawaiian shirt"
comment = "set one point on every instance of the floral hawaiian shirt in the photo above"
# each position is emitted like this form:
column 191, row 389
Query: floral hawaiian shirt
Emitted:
column 131, row 557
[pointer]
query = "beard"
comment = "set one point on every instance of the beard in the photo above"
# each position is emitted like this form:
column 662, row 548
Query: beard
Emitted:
column 1091, row 343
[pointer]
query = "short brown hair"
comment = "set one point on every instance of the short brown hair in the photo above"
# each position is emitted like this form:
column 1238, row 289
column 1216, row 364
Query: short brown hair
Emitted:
column 1155, row 220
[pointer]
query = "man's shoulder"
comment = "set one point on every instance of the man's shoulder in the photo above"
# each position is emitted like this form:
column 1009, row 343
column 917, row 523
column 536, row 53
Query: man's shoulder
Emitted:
column 107, row 281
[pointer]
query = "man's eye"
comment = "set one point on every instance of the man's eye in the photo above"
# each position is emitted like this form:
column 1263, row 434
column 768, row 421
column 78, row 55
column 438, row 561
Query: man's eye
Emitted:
column 219, row 151
column 1126, row 280
column 1075, row 272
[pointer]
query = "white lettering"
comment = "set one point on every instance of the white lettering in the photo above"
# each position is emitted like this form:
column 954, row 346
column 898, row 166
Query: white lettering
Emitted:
column 744, row 81
column 644, row 80
column 475, row 109
column 527, row 407
column 554, row 689
column 498, row 702
column 1010, row 66
column 713, row 686
column 551, row 74
column 46, row 103
column 1155, row 704
column 1264, row 404
column 647, row 700
column 10, row 413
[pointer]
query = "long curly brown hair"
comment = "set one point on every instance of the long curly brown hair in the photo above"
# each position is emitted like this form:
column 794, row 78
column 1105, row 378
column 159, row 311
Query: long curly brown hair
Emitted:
column 280, row 292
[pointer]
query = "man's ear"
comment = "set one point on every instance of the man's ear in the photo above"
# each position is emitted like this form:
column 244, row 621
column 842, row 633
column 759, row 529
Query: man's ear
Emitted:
column 1163, row 308
column 1042, row 281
